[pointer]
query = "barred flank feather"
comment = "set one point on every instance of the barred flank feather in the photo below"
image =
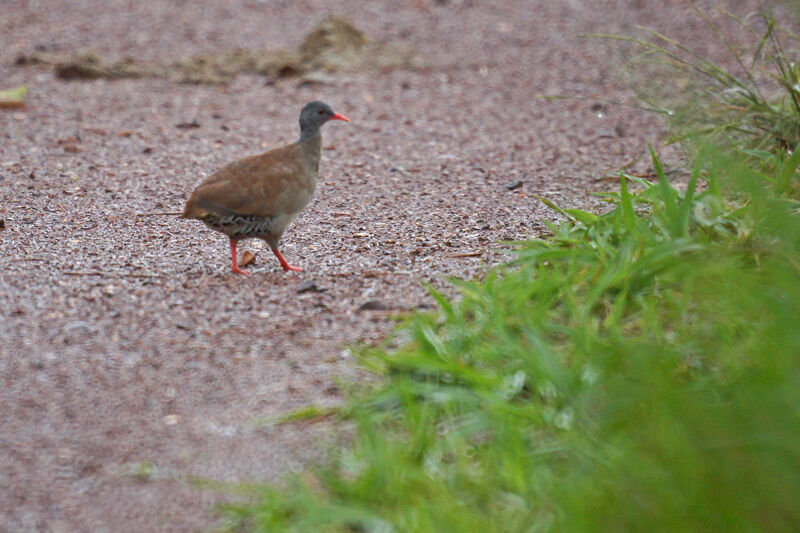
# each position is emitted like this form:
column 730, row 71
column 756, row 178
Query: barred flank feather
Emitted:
column 240, row 226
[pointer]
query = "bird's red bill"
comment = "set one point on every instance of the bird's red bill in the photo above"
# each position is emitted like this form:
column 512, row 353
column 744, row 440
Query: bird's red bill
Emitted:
column 337, row 116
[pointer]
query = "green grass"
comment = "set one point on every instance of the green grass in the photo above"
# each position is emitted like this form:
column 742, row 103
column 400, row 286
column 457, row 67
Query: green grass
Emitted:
column 637, row 370
column 751, row 104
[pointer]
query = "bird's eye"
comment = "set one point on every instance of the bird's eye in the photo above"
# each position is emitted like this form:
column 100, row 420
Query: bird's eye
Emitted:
column 321, row 111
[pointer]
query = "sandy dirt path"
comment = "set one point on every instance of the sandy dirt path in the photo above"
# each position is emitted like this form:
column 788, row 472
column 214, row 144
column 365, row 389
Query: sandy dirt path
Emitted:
column 130, row 358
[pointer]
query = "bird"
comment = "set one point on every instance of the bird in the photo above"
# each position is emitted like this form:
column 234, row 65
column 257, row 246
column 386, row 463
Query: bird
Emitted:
column 259, row 196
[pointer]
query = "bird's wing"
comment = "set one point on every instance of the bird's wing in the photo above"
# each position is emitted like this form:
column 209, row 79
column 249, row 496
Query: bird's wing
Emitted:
column 265, row 185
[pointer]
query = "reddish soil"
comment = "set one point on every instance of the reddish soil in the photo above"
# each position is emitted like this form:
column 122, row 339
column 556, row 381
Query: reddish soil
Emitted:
column 131, row 358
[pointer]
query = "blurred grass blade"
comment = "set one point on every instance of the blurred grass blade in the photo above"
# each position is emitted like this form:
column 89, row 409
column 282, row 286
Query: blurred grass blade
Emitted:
column 302, row 414
column 668, row 195
column 788, row 171
column 628, row 215
column 552, row 205
column 685, row 207
column 584, row 217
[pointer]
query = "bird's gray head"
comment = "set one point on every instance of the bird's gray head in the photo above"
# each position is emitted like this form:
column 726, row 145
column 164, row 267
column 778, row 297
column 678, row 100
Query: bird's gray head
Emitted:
column 314, row 115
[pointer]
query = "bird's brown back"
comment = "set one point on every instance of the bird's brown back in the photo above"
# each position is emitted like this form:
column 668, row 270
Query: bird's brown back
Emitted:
column 274, row 183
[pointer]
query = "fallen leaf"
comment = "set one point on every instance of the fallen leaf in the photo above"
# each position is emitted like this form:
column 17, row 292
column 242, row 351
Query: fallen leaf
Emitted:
column 13, row 98
column 2, row 223
column 516, row 185
column 188, row 125
column 248, row 258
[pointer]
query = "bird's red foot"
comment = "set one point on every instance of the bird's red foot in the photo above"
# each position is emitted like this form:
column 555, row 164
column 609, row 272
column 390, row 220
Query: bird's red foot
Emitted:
column 234, row 264
column 284, row 263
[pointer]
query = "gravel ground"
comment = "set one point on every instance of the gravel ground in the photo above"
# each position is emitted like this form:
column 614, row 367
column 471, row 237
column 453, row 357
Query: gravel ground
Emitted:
column 131, row 358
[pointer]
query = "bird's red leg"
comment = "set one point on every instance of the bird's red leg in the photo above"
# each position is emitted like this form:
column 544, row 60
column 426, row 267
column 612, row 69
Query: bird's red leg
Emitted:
column 284, row 263
column 236, row 269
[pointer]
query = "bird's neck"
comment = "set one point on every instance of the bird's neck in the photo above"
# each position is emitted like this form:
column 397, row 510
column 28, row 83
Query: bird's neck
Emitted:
column 311, row 146
column 311, row 139
column 309, row 132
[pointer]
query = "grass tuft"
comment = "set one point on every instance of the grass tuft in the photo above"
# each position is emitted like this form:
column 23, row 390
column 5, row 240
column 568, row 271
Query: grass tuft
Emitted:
column 750, row 104
column 636, row 370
